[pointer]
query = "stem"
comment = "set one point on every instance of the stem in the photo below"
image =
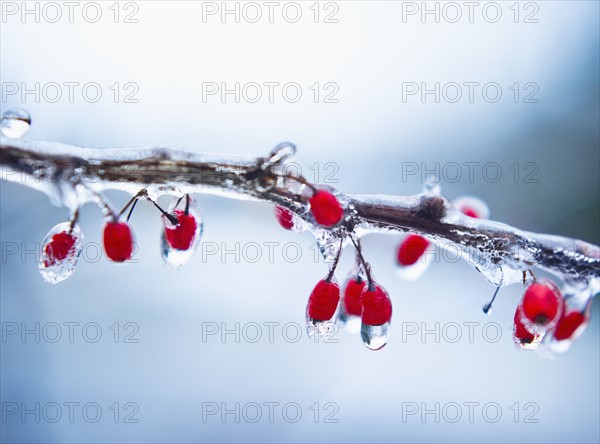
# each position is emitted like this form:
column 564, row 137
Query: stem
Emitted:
column 497, row 250
column 365, row 264
column 74, row 220
column 336, row 261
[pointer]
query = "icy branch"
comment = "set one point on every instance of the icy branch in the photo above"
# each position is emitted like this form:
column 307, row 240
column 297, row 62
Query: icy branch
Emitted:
column 72, row 175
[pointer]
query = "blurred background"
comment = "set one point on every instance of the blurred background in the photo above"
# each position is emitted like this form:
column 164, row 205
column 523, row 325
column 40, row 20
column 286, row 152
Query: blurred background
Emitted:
column 501, row 100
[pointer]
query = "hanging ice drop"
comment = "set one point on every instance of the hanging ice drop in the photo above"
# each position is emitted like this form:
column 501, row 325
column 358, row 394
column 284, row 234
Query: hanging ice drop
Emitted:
column 15, row 122
column 322, row 308
column 61, row 250
column 376, row 317
column 179, row 242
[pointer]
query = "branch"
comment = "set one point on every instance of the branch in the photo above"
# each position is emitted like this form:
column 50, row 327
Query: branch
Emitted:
column 72, row 175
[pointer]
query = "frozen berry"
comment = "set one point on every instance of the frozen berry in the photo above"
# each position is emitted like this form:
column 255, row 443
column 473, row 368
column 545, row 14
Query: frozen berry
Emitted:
column 326, row 209
column 542, row 303
column 352, row 296
column 568, row 325
column 469, row 212
column 323, row 301
column 522, row 335
column 181, row 236
column 376, row 306
column 118, row 241
column 284, row 217
column 57, row 250
column 472, row 206
column 411, row 249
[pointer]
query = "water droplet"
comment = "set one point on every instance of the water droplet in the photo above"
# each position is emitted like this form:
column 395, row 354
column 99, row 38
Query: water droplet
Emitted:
column 432, row 185
column 282, row 152
column 179, row 243
column 319, row 329
column 60, row 252
column 375, row 337
column 14, row 123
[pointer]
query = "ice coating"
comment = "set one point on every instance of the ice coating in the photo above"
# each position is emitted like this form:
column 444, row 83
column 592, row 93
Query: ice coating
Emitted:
column 61, row 249
column 72, row 175
column 15, row 123
column 175, row 256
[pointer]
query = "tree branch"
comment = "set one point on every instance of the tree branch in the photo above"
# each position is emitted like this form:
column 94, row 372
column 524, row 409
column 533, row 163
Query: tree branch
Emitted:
column 72, row 175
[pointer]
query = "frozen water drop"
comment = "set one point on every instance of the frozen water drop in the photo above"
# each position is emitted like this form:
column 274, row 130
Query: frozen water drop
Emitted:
column 319, row 329
column 487, row 308
column 14, row 123
column 281, row 153
column 61, row 250
column 375, row 337
column 179, row 242
column 432, row 185
column 328, row 244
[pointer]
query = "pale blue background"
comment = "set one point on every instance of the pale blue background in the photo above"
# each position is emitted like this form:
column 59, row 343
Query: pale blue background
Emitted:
column 170, row 372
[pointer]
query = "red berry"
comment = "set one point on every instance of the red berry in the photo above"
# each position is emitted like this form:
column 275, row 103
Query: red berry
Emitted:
column 470, row 212
column 472, row 206
column 323, row 301
column 284, row 217
column 352, row 296
column 182, row 235
column 521, row 334
column 58, row 248
column 568, row 324
column 376, row 306
column 411, row 249
column 326, row 209
column 542, row 303
column 118, row 241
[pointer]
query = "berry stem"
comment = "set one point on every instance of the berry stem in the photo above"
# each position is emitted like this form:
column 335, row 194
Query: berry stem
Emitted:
column 133, row 201
column 187, row 204
column 365, row 264
column 336, row 261
column 74, row 220
column 131, row 210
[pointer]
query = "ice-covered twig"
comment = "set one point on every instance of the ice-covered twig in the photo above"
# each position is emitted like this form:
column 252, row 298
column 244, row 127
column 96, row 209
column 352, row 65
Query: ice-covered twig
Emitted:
column 70, row 175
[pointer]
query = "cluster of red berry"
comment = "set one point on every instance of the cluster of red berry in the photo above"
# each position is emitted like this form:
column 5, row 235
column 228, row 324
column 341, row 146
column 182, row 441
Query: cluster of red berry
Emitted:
column 363, row 299
column 543, row 311
column 62, row 246
column 544, row 314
